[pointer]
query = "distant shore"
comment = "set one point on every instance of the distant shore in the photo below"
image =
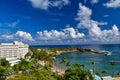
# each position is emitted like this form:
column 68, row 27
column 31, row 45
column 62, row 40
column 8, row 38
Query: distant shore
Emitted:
column 66, row 50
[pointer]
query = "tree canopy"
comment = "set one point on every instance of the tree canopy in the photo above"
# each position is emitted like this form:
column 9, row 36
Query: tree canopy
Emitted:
column 4, row 62
column 77, row 72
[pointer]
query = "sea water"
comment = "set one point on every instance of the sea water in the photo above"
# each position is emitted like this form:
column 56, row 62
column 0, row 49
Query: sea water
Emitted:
column 101, row 62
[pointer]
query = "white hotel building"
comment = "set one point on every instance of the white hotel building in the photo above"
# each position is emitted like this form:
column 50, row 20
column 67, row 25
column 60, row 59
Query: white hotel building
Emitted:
column 13, row 51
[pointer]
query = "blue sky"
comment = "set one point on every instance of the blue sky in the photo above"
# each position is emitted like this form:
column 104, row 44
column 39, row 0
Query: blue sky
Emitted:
column 54, row 22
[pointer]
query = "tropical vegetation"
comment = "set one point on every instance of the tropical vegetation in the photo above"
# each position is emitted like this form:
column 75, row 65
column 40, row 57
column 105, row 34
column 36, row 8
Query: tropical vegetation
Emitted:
column 32, row 67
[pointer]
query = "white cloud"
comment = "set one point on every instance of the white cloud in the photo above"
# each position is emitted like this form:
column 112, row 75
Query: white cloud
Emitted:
column 59, row 3
column 94, row 31
column 13, row 24
column 6, row 36
column 45, row 4
column 19, row 35
column 111, row 35
column 106, row 16
column 112, row 4
column 84, row 16
column 42, row 4
column 72, row 33
column 67, row 33
column 10, row 24
column 24, row 36
column 94, row 1
column 102, row 23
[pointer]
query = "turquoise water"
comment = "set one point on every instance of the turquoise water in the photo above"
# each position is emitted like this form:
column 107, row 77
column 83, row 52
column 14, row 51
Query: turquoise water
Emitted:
column 101, row 61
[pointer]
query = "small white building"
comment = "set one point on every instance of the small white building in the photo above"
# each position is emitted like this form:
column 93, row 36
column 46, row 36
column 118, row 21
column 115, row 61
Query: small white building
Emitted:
column 15, row 50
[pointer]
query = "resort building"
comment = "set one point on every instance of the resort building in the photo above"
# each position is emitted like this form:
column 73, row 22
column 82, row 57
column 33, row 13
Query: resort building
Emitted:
column 15, row 50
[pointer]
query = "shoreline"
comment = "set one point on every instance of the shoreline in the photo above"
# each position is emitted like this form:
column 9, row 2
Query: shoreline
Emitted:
column 62, row 52
column 61, row 71
column 57, row 69
column 116, row 78
column 106, row 53
column 59, row 51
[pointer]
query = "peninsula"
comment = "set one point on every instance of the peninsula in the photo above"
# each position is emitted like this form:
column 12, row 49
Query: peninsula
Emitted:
column 79, row 49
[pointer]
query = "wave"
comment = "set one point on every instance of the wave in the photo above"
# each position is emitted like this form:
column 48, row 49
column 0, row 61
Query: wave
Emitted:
column 109, row 53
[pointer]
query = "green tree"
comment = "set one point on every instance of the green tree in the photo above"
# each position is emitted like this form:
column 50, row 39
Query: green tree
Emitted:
column 104, row 72
column 76, row 72
column 23, row 77
column 29, row 54
column 28, row 71
column 2, row 71
column 36, row 54
column 93, row 66
column 112, row 63
column 64, row 60
column 16, row 68
column 68, row 64
column 41, row 55
column 24, row 65
column 4, row 62
column 9, row 71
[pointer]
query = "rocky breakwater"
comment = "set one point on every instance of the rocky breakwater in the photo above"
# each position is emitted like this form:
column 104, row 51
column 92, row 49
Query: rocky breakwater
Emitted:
column 94, row 51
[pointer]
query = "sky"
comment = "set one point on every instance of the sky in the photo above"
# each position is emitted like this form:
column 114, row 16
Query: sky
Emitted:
column 60, row 22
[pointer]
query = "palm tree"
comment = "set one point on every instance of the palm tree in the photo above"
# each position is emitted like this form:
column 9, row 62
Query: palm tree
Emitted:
column 112, row 63
column 28, row 72
column 82, row 66
column 68, row 64
column 2, row 72
column 104, row 72
column 92, row 65
column 75, row 72
column 9, row 71
column 4, row 62
column 64, row 60
column 29, row 54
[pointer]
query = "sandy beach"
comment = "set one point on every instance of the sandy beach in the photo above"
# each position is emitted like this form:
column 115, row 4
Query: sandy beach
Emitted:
column 57, row 69
column 116, row 78
column 54, row 68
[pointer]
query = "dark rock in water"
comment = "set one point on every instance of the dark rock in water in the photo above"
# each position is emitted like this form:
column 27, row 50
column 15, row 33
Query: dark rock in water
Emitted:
column 94, row 51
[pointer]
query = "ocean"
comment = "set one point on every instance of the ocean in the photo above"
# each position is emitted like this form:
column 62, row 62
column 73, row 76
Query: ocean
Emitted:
column 101, row 62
